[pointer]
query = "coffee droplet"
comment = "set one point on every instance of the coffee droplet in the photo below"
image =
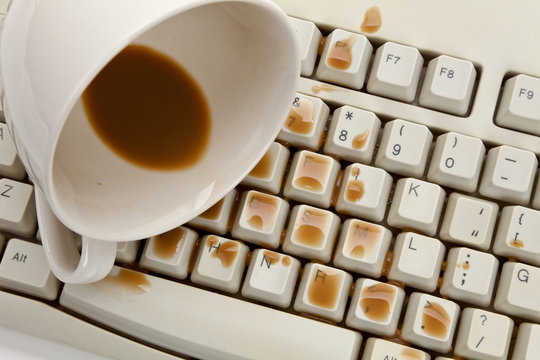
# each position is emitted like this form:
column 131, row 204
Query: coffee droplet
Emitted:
column 226, row 252
column 132, row 281
column 324, row 289
column 359, row 141
column 149, row 110
column 300, row 119
column 263, row 169
column 340, row 54
column 213, row 212
column 166, row 244
column 261, row 211
column 271, row 257
column 435, row 320
column 286, row 261
column 376, row 301
column 355, row 190
column 516, row 243
column 362, row 238
column 372, row 20
column 466, row 265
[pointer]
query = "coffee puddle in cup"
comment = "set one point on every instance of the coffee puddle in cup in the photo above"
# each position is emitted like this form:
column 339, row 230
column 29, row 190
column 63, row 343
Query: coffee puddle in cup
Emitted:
column 149, row 110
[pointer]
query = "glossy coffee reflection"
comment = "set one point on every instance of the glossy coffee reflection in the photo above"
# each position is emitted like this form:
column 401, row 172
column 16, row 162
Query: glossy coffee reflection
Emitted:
column 149, row 110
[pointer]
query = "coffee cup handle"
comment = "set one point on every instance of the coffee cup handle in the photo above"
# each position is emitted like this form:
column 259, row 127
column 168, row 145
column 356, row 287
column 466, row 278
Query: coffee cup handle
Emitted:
column 95, row 260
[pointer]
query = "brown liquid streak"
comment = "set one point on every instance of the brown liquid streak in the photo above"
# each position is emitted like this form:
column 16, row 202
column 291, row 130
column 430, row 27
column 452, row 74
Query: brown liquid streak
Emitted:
column 132, row 281
column 372, row 20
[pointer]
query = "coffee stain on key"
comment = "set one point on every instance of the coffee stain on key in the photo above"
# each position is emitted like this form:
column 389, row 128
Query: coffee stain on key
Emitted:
column 126, row 280
column 166, row 245
column 226, row 252
column 412, row 354
column 377, row 301
column 300, row 119
column 340, row 54
column 435, row 320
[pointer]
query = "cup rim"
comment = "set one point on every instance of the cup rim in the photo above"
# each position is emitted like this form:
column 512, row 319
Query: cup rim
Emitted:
column 155, row 226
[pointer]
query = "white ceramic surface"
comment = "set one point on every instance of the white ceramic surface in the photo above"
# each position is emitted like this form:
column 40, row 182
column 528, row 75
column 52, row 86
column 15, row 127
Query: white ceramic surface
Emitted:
column 242, row 53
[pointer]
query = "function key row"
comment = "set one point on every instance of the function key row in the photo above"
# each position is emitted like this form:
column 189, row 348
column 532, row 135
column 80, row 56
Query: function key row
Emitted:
column 395, row 71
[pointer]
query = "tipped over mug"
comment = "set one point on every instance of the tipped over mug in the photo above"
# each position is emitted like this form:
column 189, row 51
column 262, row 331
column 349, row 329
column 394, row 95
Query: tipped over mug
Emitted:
column 242, row 54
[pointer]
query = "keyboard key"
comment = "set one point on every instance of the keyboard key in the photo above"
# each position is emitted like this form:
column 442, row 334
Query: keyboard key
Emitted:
column 430, row 322
column 145, row 307
column 519, row 107
column 448, row 85
column 10, row 164
column 24, row 268
column 527, row 346
column 17, row 208
column 483, row 335
column 375, row 307
column 536, row 199
column 268, row 173
column 309, row 38
column 362, row 247
column 396, row 71
column 353, row 134
column 404, row 148
column 364, row 192
column 311, row 178
column 170, row 253
column 456, row 161
column 387, row 350
column 345, row 59
column 417, row 261
column 517, row 234
column 469, row 221
column 305, row 124
column 509, row 174
column 470, row 276
column 416, row 204
column 323, row 291
column 519, row 291
column 220, row 263
column 216, row 218
column 126, row 251
column 260, row 219
column 271, row 278
column 311, row 233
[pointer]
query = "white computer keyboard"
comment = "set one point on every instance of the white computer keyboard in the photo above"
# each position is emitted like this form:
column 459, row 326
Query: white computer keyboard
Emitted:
column 395, row 217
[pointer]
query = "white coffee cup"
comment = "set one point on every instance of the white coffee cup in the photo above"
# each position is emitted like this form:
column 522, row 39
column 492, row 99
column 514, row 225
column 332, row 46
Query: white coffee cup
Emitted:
column 243, row 55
